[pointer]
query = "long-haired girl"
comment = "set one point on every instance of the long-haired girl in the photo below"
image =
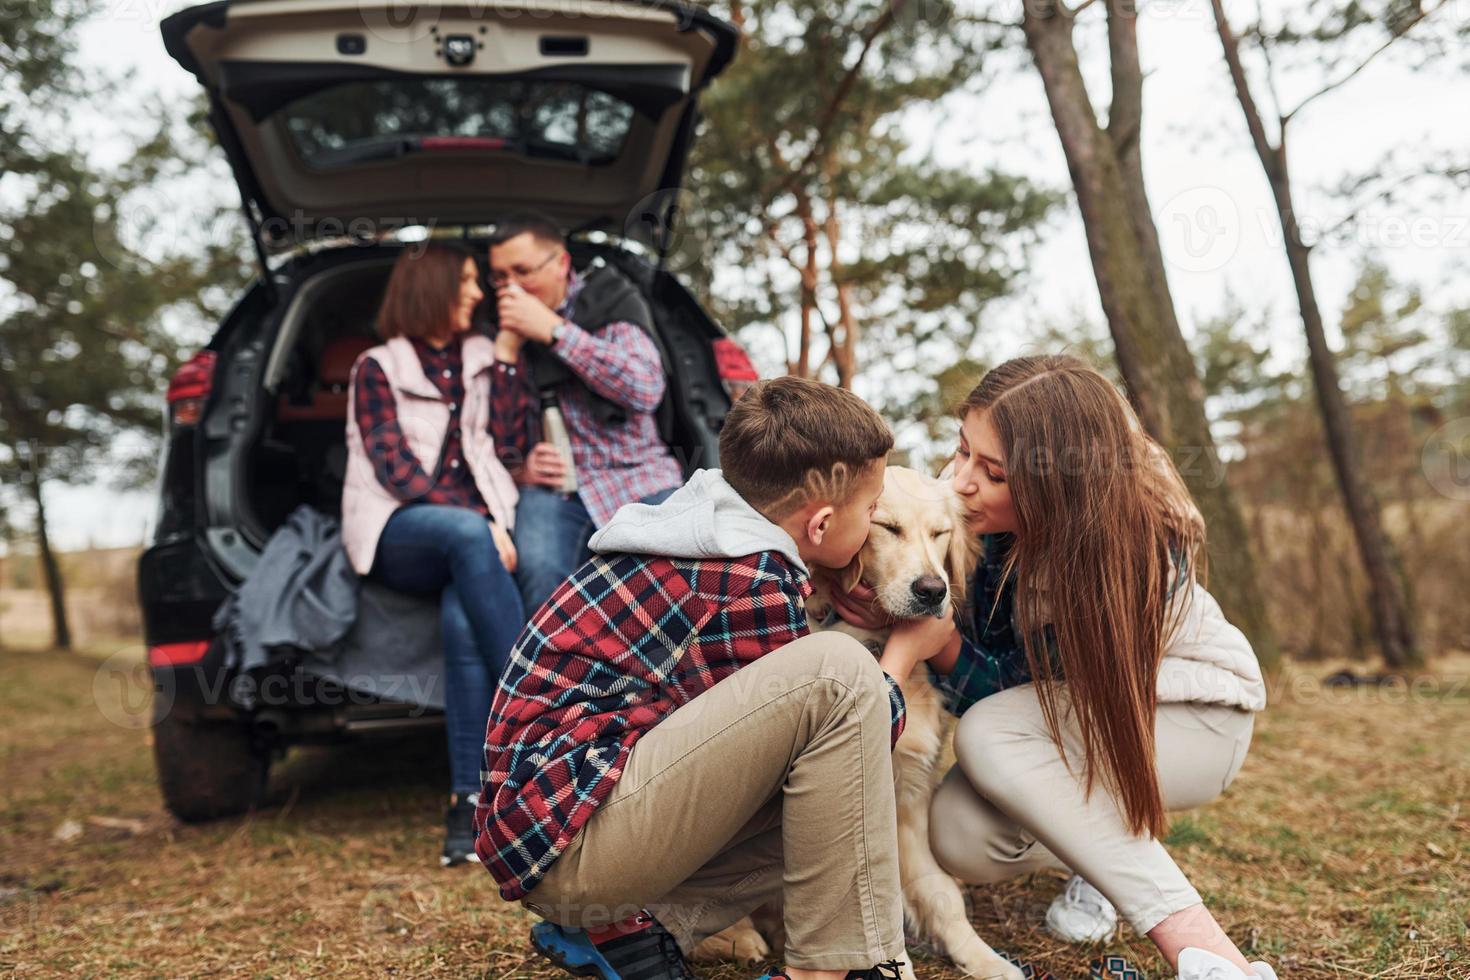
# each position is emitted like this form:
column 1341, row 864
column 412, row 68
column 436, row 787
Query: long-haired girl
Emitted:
column 1099, row 683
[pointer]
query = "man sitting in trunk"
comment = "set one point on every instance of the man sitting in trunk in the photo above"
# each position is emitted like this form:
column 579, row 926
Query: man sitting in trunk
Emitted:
column 573, row 352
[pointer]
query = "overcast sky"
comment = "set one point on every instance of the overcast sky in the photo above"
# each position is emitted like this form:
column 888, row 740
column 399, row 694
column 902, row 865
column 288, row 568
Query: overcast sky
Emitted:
column 1210, row 199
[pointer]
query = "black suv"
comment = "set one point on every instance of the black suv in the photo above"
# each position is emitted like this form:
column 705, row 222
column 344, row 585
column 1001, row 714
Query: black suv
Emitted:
column 354, row 132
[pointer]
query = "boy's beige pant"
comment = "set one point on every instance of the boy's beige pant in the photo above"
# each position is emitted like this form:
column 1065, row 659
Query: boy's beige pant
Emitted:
column 1011, row 806
column 777, row 781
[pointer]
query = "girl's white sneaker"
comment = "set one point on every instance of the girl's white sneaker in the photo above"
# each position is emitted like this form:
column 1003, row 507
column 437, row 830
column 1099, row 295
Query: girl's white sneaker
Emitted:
column 1081, row 914
column 1201, row 964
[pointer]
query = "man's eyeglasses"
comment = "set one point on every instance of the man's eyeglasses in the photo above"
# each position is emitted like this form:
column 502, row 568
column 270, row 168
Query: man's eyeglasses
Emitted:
column 520, row 273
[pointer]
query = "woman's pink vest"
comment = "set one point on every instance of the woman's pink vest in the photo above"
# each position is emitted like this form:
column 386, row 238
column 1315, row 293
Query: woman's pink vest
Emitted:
column 424, row 417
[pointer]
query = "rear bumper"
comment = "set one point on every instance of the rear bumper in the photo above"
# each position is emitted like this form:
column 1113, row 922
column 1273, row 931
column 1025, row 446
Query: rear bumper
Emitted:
column 179, row 589
column 283, row 704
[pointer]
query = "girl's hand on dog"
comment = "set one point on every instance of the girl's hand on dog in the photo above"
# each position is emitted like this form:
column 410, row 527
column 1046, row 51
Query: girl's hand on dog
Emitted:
column 859, row 606
column 913, row 641
column 923, row 638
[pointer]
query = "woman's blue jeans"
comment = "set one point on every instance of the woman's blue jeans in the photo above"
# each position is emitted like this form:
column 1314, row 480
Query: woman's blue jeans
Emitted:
column 448, row 551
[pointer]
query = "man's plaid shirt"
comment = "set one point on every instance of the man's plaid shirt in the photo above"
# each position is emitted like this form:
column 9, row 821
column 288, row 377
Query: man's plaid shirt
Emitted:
column 616, row 465
column 616, row 649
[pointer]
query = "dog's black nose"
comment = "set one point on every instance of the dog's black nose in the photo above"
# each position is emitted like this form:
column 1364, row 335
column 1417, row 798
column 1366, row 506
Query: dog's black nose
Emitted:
column 929, row 589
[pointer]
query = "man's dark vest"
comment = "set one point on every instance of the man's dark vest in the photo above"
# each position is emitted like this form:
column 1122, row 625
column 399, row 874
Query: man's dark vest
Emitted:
column 607, row 296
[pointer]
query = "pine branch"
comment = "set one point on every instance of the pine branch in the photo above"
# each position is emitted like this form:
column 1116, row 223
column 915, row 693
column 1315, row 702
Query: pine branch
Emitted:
column 1399, row 32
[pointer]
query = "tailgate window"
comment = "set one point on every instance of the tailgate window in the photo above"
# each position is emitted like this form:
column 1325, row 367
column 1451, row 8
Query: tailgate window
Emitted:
column 360, row 121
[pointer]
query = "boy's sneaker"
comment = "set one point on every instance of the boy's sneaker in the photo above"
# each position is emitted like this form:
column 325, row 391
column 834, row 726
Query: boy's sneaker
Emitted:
column 1201, row 964
column 459, row 831
column 891, row 970
column 638, row 948
column 1081, row 914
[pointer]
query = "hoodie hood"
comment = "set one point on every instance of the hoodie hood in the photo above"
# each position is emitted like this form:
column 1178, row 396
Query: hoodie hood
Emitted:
column 705, row 518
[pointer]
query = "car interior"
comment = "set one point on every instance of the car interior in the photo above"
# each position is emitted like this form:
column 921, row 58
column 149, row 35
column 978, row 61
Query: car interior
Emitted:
column 300, row 456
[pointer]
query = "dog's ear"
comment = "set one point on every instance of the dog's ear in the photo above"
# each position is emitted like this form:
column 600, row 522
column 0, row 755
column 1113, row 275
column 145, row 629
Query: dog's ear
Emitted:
column 963, row 554
column 849, row 576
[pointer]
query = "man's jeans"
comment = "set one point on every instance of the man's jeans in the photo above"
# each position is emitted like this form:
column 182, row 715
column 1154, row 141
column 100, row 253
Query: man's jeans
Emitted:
column 448, row 552
column 552, row 531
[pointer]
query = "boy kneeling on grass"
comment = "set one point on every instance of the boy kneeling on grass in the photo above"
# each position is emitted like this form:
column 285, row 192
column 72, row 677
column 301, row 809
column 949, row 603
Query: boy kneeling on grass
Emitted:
column 669, row 748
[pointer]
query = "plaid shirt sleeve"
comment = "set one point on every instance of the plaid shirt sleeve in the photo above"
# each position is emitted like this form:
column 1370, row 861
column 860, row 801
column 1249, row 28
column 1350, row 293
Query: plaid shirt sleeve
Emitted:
column 396, row 467
column 512, row 414
column 992, row 657
column 897, row 711
column 620, row 363
column 981, row 671
column 772, row 616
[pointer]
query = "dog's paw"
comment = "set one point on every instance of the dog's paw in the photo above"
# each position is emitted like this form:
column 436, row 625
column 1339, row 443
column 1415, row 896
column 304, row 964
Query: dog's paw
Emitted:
column 992, row 967
column 739, row 942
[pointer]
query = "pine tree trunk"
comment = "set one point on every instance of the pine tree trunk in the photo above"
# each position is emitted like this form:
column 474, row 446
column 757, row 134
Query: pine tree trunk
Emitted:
column 808, row 286
column 1392, row 618
column 1393, row 621
column 845, row 351
column 1161, row 377
column 61, row 631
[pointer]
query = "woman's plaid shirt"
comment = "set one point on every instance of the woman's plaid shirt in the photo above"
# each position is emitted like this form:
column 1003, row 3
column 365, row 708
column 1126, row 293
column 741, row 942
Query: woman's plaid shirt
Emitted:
column 617, row 648
column 401, row 473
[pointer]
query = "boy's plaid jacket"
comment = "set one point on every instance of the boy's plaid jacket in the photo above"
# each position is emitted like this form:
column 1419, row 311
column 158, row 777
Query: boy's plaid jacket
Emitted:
column 618, row 647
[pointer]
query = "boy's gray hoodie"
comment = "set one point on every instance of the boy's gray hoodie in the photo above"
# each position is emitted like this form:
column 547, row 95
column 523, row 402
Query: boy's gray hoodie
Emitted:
column 705, row 518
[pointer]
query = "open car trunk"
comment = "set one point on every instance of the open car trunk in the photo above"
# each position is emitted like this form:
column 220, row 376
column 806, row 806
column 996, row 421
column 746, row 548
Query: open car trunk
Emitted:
column 357, row 117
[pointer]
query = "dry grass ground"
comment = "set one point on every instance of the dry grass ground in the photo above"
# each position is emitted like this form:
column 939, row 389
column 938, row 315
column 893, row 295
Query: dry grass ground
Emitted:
column 1341, row 851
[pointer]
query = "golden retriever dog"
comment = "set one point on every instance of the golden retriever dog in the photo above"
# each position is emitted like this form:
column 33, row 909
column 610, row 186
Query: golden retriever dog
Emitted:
column 918, row 559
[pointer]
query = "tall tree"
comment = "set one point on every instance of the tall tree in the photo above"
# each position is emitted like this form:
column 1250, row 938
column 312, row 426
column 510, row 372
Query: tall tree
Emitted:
column 83, row 351
column 1388, row 595
column 812, row 197
column 1105, row 162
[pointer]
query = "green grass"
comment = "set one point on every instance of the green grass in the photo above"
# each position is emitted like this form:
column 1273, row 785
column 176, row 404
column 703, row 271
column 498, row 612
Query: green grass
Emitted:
column 1341, row 851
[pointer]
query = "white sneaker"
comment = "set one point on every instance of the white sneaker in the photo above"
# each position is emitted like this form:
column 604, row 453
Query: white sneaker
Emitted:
column 1080, row 914
column 1201, row 964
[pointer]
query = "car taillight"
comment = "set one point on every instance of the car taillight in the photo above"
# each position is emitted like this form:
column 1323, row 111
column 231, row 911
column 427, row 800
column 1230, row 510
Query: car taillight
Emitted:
column 190, row 387
column 737, row 373
column 174, row 654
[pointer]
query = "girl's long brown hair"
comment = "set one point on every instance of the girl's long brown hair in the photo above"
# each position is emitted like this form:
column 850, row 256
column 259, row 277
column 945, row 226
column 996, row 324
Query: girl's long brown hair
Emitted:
column 1098, row 506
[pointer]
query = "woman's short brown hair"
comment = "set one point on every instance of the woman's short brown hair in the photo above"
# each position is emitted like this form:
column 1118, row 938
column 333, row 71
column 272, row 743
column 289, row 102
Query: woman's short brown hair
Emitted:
column 789, row 441
column 423, row 290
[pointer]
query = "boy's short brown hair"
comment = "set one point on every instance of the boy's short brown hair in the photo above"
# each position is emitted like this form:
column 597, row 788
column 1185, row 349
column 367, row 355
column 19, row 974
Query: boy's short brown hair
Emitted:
column 789, row 441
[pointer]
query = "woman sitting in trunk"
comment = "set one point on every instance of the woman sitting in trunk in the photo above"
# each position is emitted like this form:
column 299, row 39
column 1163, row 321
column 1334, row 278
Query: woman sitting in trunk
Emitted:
column 427, row 507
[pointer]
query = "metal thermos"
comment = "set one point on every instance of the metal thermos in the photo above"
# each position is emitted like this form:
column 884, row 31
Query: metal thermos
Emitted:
column 554, row 428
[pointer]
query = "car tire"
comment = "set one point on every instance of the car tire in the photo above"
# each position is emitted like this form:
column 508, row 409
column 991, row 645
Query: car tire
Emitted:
column 207, row 770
